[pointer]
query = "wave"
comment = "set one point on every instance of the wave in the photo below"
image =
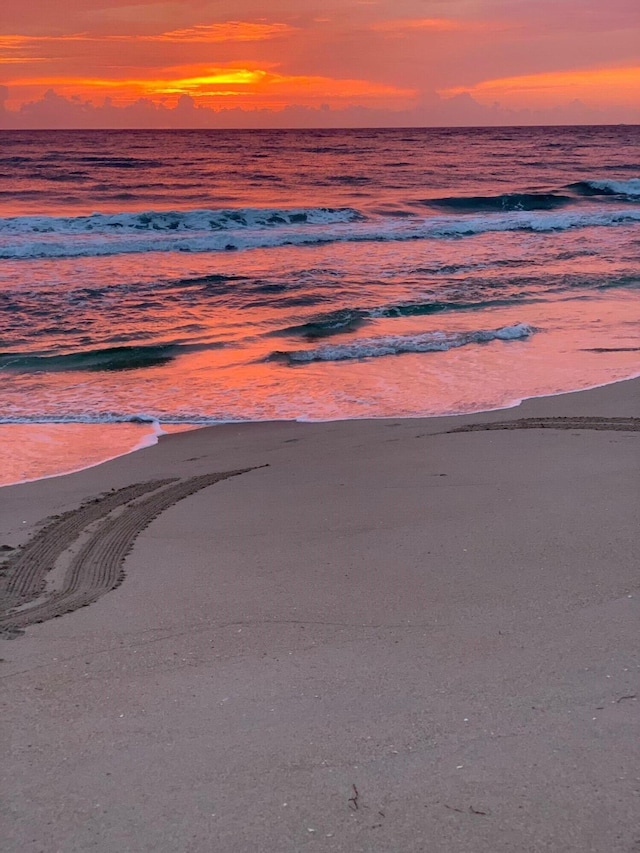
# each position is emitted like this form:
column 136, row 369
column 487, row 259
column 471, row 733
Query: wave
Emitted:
column 630, row 188
column 347, row 320
column 170, row 220
column 105, row 161
column 100, row 235
column 208, row 281
column 397, row 344
column 419, row 309
column 109, row 359
column 333, row 323
column 504, row 202
column 85, row 418
column 347, row 180
column 164, row 418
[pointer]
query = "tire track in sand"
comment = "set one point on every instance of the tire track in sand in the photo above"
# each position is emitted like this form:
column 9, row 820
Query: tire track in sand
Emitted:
column 616, row 424
column 25, row 573
column 97, row 568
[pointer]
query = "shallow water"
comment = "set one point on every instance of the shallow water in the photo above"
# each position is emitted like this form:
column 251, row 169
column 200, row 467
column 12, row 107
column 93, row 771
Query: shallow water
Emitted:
column 311, row 275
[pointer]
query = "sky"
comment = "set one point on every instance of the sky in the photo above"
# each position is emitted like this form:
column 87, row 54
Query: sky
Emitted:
column 316, row 63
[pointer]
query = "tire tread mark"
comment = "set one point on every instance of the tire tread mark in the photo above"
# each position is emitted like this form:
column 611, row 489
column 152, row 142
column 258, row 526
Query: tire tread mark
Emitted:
column 595, row 423
column 98, row 567
column 26, row 571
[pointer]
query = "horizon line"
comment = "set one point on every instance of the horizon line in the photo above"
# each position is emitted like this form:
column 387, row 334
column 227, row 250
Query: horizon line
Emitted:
column 318, row 128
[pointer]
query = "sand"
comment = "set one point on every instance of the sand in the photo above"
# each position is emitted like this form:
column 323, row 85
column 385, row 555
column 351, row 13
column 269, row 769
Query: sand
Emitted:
column 397, row 635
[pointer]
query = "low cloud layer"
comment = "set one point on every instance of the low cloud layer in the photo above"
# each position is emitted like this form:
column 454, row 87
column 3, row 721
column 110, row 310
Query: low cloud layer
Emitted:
column 55, row 111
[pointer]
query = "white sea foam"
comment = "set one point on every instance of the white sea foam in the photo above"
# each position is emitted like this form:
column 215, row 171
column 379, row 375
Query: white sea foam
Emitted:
column 630, row 187
column 20, row 238
column 397, row 344
column 175, row 220
column 155, row 423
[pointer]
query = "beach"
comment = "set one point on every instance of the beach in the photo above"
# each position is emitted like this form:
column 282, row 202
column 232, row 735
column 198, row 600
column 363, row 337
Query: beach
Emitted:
column 411, row 634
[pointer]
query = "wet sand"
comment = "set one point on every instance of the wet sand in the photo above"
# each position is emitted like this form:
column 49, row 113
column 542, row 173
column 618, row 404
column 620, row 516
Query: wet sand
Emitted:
column 411, row 635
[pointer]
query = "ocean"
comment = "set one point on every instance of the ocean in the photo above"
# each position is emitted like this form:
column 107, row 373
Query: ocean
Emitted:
column 155, row 281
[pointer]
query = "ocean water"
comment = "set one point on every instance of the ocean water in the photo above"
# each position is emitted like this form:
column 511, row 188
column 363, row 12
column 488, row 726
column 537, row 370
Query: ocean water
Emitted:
column 153, row 281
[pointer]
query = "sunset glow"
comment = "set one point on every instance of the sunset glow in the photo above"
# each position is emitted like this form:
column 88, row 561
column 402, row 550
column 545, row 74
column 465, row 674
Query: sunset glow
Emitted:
column 253, row 87
column 556, row 87
column 399, row 61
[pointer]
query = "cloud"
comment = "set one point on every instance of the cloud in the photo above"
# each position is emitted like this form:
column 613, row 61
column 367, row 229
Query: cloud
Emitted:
column 237, row 31
column 265, row 87
column 605, row 85
column 57, row 112
column 227, row 31
column 403, row 26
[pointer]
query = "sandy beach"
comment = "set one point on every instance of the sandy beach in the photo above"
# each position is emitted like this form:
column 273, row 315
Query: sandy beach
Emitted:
column 394, row 635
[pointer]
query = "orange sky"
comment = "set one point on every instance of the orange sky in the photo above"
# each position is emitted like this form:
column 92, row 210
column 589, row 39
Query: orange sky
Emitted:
column 392, row 61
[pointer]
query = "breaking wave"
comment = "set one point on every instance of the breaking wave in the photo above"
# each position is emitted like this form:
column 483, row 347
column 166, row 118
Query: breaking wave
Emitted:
column 188, row 220
column 398, row 344
column 630, row 188
column 216, row 231
column 347, row 320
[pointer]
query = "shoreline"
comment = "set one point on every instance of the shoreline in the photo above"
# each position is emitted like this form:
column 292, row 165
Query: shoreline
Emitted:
column 161, row 430
column 260, row 622
column 25, row 506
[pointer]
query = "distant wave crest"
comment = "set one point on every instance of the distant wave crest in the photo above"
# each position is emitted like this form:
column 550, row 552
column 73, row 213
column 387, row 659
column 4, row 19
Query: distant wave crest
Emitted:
column 398, row 344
